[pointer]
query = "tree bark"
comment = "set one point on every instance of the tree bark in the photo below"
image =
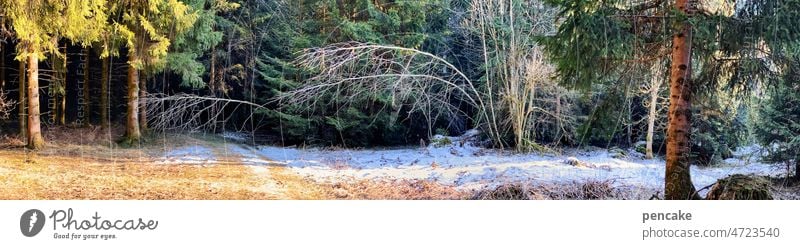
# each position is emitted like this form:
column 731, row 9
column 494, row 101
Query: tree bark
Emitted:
column 62, row 95
column 2, row 66
column 104, row 119
column 132, row 133
column 655, row 85
column 212, row 71
column 87, row 106
column 143, row 105
column 23, row 102
column 678, row 182
column 35, row 140
column 797, row 169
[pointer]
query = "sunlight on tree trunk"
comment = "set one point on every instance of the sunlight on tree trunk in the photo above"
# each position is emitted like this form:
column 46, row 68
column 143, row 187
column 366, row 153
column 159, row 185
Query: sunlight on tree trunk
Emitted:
column 143, row 105
column 678, row 181
column 35, row 140
column 2, row 66
column 655, row 85
column 132, row 133
column 23, row 103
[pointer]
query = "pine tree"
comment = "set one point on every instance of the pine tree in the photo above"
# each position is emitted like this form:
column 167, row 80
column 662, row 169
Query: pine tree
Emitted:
column 185, row 55
column 778, row 125
column 147, row 27
column 38, row 25
column 599, row 39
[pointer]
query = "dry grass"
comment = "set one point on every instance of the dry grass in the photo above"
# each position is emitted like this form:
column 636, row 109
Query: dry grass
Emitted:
column 85, row 163
column 588, row 190
column 394, row 190
column 91, row 166
column 29, row 176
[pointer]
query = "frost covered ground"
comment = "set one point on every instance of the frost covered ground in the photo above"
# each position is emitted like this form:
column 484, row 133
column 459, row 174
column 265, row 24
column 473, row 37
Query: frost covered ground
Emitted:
column 460, row 164
column 468, row 166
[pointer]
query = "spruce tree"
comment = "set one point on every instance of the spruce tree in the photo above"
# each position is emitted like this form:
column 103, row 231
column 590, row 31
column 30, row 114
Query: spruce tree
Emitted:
column 147, row 27
column 38, row 26
column 598, row 39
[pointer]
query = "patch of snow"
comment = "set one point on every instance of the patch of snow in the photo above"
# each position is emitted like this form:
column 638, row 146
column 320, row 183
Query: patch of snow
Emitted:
column 189, row 155
column 248, row 156
column 235, row 136
column 466, row 166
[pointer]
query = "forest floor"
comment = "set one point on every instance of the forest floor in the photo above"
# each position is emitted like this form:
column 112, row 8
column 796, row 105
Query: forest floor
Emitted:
column 91, row 166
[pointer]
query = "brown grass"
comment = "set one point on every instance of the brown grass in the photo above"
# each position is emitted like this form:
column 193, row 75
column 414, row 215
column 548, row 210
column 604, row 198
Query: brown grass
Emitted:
column 394, row 190
column 587, row 190
column 26, row 175
column 86, row 163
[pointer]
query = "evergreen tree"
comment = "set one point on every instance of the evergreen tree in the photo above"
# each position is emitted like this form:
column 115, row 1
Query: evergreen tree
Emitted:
column 598, row 39
column 778, row 125
column 185, row 54
column 38, row 25
column 147, row 26
column 411, row 24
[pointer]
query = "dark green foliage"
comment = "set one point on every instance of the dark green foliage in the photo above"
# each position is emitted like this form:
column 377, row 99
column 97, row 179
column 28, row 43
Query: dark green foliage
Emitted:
column 604, row 122
column 591, row 41
column 717, row 130
column 316, row 23
column 778, row 125
column 184, row 58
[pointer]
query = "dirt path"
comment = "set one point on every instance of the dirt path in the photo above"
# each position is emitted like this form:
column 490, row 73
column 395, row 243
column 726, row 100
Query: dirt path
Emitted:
column 277, row 180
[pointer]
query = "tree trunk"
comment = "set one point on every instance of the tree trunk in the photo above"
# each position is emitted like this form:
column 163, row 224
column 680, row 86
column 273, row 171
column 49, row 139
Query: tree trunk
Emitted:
column 797, row 169
column 132, row 133
column 62, row 95
column 87, row 106
column 678, row 182
column 655, row 85
column 143, row 105
column 2, row 66
column 23, row 103
column 62, row 109
column 104, row 119
column 35, row 140
column 212, row 71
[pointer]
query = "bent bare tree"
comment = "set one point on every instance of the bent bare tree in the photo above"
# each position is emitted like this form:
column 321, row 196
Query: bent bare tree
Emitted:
column 417, row 80
column 188, row 112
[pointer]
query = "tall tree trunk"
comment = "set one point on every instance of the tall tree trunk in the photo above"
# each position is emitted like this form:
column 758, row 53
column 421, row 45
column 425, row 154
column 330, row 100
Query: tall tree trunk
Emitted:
column 655, row 85
column 143, row 105
column 104, row 108
column 2, row 66
column 87, row 106
column 678, row 182
column 62, row 95
column 212, row 71
column 797, row 168
column 23, row 102
column 35, row 140
column 132, row 133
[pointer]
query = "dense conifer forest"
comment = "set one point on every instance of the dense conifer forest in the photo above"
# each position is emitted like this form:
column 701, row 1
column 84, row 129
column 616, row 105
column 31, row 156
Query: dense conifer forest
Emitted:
column 476, row 99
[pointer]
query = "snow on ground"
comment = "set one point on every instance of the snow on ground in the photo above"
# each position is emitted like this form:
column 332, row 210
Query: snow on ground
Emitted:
column 189, row 155
column 468, row 166
column 456, row 162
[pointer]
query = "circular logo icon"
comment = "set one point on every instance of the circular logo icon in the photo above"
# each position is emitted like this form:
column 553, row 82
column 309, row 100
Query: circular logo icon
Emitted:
column 31, row 222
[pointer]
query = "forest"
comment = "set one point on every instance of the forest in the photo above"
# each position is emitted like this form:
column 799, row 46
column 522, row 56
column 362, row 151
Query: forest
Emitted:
column 396, row 99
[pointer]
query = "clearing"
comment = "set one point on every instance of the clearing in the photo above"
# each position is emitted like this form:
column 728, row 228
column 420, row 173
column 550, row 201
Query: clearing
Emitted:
column 220, row 167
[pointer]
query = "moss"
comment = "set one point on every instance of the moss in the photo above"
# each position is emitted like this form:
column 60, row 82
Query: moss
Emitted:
column 441, row 141
column 741, row 187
